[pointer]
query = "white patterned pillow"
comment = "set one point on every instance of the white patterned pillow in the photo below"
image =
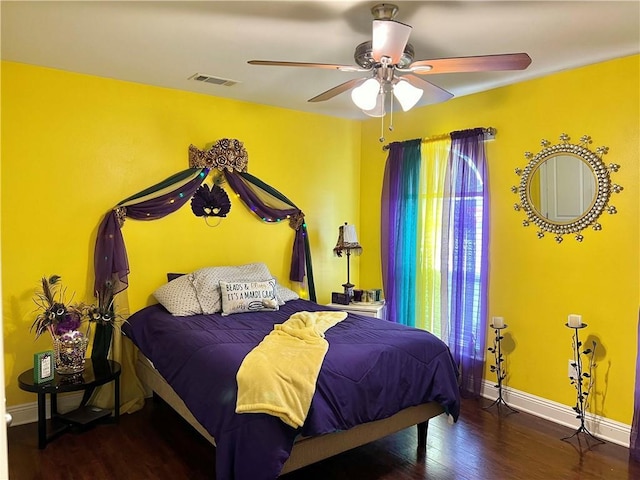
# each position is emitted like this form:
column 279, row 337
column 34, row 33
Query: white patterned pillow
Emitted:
column 284, row 294
column 179, row 297
column 248, row 296
column 206, row 282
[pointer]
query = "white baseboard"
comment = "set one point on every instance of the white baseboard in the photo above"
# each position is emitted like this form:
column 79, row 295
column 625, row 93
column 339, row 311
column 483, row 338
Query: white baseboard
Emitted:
column 28, row 412
column 604, row 428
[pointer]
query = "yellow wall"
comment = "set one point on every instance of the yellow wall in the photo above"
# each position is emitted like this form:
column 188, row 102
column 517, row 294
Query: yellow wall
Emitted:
column 536, row 283
column 75, row 145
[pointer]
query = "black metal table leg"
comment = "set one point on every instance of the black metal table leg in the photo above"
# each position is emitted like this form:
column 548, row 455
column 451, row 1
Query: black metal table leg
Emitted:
column 86, row 396
column 96, row 373
column 116, row 407
column 42, row 421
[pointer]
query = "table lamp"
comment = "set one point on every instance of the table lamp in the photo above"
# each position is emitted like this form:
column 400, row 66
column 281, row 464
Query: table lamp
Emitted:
column 348, row 243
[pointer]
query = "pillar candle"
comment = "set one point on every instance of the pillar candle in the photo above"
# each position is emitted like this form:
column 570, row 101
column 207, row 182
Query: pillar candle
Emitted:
column 575, row 321
column 498, row 322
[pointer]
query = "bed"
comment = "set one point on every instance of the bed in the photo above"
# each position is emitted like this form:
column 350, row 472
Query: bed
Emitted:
column 377, row 378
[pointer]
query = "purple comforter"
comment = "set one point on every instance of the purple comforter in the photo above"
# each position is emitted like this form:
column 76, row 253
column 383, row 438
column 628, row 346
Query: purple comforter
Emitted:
column 372, row 370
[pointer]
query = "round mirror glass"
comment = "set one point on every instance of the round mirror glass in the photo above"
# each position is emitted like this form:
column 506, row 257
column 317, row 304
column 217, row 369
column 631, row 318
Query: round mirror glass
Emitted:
column 562, row 188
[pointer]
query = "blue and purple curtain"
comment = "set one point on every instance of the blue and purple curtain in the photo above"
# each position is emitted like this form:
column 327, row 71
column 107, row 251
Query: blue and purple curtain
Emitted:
column 434, row 240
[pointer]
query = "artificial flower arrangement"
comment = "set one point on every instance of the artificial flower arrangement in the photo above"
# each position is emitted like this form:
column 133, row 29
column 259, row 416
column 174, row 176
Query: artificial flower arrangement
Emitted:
column 55, row 317
column 63, row 321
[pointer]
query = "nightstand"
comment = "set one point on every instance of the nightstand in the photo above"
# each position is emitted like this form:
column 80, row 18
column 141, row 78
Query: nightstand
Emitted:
column 373, row 309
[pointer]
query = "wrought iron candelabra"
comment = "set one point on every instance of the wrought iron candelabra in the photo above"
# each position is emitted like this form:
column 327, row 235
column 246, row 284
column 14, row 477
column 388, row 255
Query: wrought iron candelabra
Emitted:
column 583, row 382
column 498, row 325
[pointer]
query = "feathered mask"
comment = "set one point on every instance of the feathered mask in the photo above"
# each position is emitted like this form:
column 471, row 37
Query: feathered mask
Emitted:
column 212, row 202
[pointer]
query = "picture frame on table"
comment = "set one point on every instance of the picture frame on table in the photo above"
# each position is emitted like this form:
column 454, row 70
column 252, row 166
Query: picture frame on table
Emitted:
column 43, row 366
column 340, row 298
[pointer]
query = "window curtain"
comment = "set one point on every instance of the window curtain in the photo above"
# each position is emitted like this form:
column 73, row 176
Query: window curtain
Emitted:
column 434, row 157
column 399, row 230
column 434, row 243
column 465, row 245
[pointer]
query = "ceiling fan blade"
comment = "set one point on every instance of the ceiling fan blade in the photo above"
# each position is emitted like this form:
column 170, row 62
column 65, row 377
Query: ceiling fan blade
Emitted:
column 389, row 39
column 481, row 63
column 431, row 93
column 337, row 90
column 330, row 66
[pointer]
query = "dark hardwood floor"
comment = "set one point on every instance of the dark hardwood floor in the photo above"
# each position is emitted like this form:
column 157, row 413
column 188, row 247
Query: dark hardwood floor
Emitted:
column 155, row 443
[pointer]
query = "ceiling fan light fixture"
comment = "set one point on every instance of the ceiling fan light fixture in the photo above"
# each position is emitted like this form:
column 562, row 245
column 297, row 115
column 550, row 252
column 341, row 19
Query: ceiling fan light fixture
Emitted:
column 378, row 110
column 389, row 39
column 365, row 95
column 407, row 94
column 421, row 68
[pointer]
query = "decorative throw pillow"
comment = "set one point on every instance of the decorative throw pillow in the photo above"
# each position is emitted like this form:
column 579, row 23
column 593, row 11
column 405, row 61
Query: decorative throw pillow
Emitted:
column 179, row 297
column 206, row 282
column 248, row 296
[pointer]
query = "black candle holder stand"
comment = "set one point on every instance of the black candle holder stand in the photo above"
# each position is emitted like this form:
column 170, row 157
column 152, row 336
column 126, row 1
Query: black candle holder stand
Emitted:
column 582, row 396
column 498, row 369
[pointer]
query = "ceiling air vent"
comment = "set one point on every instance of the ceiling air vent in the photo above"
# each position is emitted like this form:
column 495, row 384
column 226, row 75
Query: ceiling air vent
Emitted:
column 202, row 77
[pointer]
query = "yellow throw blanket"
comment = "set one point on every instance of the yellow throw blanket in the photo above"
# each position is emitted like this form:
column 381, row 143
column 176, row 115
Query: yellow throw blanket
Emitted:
column 278, row 377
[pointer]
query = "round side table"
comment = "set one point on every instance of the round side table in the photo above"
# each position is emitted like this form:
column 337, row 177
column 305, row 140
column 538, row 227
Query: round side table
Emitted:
column 96, row 373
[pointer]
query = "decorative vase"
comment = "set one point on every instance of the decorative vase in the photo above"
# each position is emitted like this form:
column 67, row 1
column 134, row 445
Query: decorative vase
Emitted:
column 70, row 349
column 101, row 342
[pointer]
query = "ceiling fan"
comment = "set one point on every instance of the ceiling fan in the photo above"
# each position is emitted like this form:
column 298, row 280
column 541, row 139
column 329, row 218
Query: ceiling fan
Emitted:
column 388, row 58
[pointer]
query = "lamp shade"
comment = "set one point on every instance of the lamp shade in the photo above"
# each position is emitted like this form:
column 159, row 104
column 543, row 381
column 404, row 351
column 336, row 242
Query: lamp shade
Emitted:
column 365, row 95
column 347, row 241
column 407, row 94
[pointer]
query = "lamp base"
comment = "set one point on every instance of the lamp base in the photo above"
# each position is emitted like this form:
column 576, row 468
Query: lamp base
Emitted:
column 348, row 290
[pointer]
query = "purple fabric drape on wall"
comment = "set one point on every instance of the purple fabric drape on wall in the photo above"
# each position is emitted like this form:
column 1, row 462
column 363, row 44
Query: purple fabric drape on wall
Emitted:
column 110, row 256
column 110, row 260
column 298, row 257
column 634, row 449
column 465, row 255
column 257, row 205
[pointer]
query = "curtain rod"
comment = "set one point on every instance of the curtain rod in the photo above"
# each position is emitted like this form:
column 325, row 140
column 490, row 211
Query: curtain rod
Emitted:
column 489, row 134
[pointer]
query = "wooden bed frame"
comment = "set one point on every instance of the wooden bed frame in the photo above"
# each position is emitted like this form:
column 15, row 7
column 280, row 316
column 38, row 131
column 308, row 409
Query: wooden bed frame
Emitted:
column 306, row 450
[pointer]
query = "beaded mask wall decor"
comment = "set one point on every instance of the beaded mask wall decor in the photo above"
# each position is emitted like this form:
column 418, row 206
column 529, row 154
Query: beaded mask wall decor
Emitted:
column 212, row 202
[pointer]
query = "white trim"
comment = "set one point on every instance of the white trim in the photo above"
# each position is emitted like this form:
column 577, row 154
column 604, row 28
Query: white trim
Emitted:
column 28, row 412
column 604, row 428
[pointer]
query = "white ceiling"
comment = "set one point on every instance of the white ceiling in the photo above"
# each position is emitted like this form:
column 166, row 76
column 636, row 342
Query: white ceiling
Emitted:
column 165, row 43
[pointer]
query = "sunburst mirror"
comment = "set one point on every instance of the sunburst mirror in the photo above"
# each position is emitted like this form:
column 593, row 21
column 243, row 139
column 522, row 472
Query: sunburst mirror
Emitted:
column 565, row 188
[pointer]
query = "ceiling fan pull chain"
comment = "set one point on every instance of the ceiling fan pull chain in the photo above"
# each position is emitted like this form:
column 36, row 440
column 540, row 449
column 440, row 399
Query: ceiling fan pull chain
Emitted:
column 391, row 114
column 381, row 129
